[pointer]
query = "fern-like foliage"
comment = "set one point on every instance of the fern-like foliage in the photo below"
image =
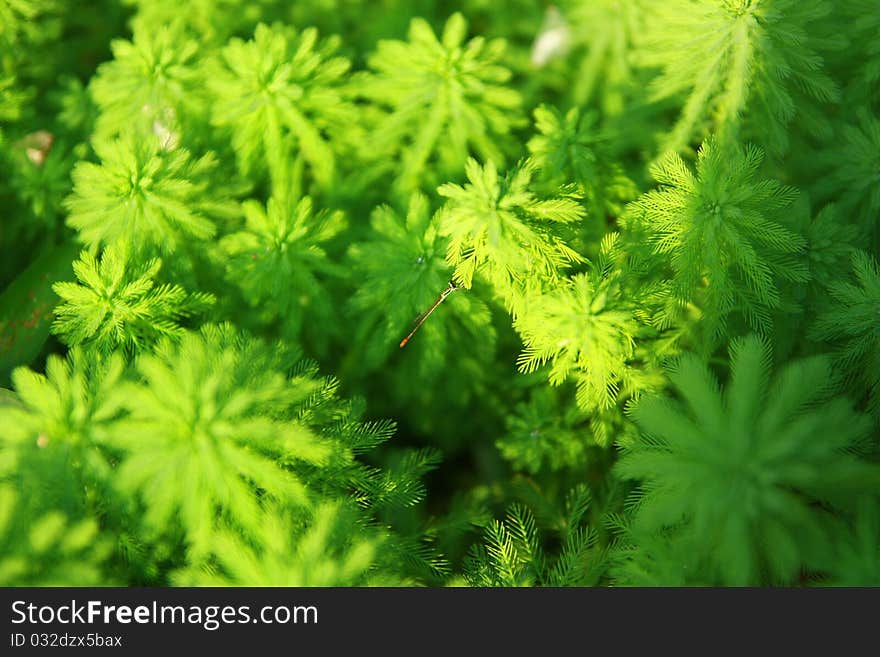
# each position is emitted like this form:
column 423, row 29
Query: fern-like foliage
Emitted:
column 572, row 148
column 512, row 555
column 278, row 259
column 63, row 419
column 211, row 437
column 856, row 562
column 851, row 325
column 117, row 303
column 211, row 21
column 830, row 246
column 280, row 96
column 471, row 180
column 499, row 227
column 386, row 492
column 39, row 170
column 749, row 64
column 146, row 195
column 740, row 479
column 402, row 268
column 642, row 557
column 605, row 71
column 720, row 230
column 863, row 65
column 545, row 432
column 77, row 112
column 11, row 98
column 323, row 552
column 851, row 176
column 400, row 483
column 146, row 86
column 48, row 548
column 202, row 431
column 446, row 99
column 585, row 329
column 25, row 26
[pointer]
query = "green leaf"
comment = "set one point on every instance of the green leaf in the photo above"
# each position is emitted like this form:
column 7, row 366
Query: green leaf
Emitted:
column 741, row 480
column 745, row 68
column 26, row 308
column 720, row 232
column 326, row 552
column 850, row 324
column 499, row 226
column 116, row 304
column 401, row 268
column 445, row 98
column 147, row 86
column 153, row 197
column 202, row 438
column 48, row 548
column 583, row 328
column 280, row 263
column 281, row 93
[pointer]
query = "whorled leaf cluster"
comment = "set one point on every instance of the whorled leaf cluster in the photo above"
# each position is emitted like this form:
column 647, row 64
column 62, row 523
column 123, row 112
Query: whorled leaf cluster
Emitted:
column 646, row 319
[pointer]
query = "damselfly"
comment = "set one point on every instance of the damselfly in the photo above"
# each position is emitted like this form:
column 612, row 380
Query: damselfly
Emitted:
column 453, row 286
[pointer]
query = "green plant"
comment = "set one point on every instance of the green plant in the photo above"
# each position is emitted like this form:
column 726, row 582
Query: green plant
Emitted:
column 444, row 96
column 637, row 242
column 278, row 94
column 142, row 192
column 114, row 307
column 734, row 476
column 743, row 66
column 721, row 235
column 499, row 227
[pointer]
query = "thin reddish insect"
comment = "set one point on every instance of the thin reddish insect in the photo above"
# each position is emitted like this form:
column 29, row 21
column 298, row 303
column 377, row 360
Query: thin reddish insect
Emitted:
column 421, row 318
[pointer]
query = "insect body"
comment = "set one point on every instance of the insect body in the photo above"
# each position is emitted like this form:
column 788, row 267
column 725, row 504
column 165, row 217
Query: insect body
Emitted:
column 421, row 318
